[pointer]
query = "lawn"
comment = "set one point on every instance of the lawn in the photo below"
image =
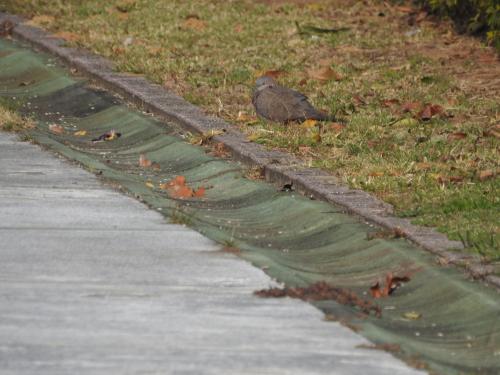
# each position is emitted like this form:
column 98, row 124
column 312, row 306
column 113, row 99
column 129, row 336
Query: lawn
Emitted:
column 421, row 104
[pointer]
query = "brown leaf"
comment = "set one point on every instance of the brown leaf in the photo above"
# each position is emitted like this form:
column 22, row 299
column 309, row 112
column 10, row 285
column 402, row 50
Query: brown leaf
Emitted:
column 199, row 193
column 194, row 22
column 324, row 74
column 376, row 174
column 57, row 129
column 404, row 9
column 144, row 162
column 426, row 113
column 238, row 28
column 456, row 136
column 390, row 102
column 177, row 188
column 391, row 284
column 429, row 111
column 410, row 106
column 273, row 73
column 486, row 174
column 336, row 127
column 376, row 291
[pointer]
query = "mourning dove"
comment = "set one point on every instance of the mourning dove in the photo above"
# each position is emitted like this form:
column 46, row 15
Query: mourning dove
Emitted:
column 281, row 104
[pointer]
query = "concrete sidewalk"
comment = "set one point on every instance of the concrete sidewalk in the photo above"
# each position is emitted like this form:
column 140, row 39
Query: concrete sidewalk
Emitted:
column 93, row 282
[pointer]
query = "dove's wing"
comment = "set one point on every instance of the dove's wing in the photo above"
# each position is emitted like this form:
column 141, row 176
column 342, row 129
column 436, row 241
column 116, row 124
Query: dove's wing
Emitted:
column 281, row 104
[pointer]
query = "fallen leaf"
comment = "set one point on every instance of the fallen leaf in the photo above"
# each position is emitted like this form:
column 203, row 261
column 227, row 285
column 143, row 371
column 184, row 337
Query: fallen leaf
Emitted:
column 391, row 284
column 429, row 111
column 199, row 193
column 308, row 124
column 336, row 127
column 404, row 9
column 376, row 174
column 57, row 129
column 177, row 188
column 412, row 315
column 390, row 102
column 149, row 185
column 410, row 106
column 80, row 133
column 273, row 73
column 194, row 22
column 324, row 74
column 426, row 113
column 108, row 136
column 486, row 174
column 456, row 179
column 456, row 136
column 238, row 28
column 144, row 162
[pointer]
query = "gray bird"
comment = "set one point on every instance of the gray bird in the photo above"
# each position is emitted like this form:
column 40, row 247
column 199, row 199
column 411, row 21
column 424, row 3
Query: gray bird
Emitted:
column 281, row 104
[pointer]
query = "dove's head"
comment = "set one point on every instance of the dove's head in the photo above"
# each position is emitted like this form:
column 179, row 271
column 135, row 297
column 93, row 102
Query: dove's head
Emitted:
column 264, row 82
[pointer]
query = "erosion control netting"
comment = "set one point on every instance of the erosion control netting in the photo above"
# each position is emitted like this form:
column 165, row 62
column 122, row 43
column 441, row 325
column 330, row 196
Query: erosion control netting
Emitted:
column 437, row 318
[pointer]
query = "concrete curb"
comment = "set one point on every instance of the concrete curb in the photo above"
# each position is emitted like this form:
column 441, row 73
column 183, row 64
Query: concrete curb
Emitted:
column 279, row 168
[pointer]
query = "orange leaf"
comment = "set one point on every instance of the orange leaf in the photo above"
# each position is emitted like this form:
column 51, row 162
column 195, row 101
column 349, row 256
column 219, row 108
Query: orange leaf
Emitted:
column 199, row 193
column 337, row 127
column 144, row 162
column 486, row 174
column 375, row 290
column 456, row 136
column 179, row 180
column 54, row 128
column 194, row 22
column 390, row 102
column 376, row 174
column 324, row 74
column 391, row 284
column 181, row 191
